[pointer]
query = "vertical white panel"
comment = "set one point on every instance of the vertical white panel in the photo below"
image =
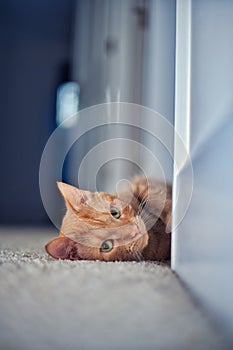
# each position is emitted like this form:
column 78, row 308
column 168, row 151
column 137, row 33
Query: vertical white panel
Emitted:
column 183, row 70
column 203, row 242
column 182, row 105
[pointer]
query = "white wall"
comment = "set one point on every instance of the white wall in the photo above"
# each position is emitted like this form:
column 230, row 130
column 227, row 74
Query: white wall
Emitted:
column 203, row 242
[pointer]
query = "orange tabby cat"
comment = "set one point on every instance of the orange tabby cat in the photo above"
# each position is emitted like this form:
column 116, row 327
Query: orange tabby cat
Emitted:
column 132, row 225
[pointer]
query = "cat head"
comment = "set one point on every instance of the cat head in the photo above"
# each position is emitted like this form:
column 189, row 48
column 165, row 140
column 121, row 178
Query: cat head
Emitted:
column 98, row 226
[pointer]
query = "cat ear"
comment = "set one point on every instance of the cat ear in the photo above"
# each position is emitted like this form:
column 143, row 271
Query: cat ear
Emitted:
column 62, row 248
column 72, row 195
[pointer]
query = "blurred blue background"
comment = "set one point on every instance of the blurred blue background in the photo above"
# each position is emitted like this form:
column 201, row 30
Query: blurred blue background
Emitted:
column 112, row 51
column 35, row 46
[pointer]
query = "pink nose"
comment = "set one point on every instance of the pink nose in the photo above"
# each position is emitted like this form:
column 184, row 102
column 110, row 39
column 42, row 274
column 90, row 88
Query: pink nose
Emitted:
column 135, row 233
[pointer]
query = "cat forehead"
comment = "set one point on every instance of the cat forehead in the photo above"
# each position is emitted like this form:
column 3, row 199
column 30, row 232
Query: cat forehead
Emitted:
column 102, row 201
column 104, row 197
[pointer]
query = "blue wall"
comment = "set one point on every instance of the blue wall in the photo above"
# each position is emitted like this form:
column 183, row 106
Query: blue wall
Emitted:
column 35, row 39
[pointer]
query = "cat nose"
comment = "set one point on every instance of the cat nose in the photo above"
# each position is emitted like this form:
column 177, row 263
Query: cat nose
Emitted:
column 135, row 233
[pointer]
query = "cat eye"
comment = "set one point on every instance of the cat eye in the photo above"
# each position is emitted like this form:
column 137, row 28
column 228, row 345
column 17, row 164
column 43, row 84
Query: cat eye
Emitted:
column 106, row 246
column 115, row 213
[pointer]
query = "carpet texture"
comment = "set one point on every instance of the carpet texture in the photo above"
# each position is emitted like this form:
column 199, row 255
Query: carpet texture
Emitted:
column 50, row 304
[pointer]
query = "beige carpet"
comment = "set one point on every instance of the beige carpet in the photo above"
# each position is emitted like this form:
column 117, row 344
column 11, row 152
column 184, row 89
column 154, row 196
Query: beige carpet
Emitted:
column 48, row 304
